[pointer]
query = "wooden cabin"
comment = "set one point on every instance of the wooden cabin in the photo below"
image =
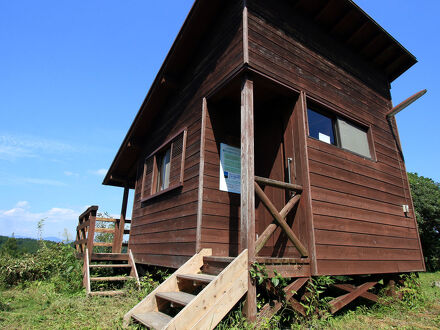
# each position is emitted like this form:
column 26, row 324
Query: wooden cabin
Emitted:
column 273, row 110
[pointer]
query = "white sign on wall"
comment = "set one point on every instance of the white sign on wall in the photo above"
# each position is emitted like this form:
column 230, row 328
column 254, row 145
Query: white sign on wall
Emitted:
column 230, row 168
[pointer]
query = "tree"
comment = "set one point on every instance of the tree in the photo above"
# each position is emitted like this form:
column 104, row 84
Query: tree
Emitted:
column 426, row 198
column 10, row 247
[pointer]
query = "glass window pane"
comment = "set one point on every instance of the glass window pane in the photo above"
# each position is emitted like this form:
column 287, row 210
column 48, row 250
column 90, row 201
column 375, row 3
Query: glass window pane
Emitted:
column 163, row 169
column 353, row 138
column 166, row 170
column 321, row 127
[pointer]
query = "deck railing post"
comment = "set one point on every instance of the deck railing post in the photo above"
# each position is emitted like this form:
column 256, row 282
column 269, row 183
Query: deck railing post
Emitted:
column 247, row 213
column 120, row 224
column 91, row 232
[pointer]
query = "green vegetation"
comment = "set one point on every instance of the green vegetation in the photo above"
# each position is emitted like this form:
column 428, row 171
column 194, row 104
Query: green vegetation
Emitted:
column 16, row 246
column 426, row 197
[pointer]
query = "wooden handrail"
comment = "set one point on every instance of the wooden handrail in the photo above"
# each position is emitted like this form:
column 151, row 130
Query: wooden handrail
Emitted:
column 278, row 184
column 89, row 210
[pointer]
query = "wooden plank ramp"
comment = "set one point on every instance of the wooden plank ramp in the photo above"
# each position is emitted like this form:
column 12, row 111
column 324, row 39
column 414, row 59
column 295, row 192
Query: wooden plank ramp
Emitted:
column 221, row 291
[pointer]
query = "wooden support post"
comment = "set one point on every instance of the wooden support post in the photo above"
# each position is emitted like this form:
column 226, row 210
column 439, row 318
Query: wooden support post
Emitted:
column 120, row 225
column 247, row 211
column 91, row 232
column 280, row 220
column 201, row 176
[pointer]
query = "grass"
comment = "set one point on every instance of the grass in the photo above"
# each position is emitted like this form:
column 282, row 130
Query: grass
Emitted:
column 41, row 305
column 424, row 314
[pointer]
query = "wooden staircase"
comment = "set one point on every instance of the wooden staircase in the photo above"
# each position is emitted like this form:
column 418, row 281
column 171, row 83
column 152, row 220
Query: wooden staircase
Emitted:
column 121, row 265
column 197, row 296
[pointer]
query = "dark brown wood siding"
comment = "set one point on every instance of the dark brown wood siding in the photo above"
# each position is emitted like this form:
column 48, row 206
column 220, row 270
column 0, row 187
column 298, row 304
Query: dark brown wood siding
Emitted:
column 358, row 220
column 163, row 231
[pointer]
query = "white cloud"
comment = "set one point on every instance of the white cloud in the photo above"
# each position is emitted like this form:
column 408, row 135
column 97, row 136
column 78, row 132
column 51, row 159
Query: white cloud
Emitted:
column 68, row 173
column 45, row 182
column 22, row 204
column 8, row 180
column 25, row 146
column 22, row 221
column 100, row 172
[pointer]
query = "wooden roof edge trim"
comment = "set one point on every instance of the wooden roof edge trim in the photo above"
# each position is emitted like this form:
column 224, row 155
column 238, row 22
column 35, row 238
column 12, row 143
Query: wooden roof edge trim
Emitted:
column 411, row 58
column 156, row 83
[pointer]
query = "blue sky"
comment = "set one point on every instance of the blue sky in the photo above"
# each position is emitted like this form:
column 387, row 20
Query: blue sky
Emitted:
column 74, row 73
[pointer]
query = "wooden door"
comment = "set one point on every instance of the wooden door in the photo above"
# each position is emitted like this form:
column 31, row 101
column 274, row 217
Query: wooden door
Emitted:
column 273, row 148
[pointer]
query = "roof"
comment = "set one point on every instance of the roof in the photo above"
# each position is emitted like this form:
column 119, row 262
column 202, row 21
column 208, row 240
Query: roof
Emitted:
column 343, row 19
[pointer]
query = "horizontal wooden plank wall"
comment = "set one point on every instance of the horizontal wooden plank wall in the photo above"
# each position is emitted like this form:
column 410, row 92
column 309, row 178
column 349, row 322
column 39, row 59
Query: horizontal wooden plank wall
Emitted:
column 163, row 230
column 357, row 203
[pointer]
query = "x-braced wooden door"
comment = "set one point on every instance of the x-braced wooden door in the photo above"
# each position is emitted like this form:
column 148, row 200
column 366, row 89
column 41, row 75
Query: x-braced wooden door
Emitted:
column 275, row 159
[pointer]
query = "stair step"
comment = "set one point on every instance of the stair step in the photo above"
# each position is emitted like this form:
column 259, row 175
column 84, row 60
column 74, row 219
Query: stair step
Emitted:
column 200, row 278
column 178, row 298
column 155, row 320
column 107, row 293
column 227, row 260
column 111, row 278
column 214, row 265
column 102, row 244
column 110, row 266
column 109, row 256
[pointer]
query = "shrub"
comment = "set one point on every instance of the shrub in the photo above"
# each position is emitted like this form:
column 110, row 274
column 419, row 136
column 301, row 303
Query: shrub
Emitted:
column 57, row 263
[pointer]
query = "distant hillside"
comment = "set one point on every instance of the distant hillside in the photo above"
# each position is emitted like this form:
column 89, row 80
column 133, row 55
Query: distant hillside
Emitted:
column 25, row 245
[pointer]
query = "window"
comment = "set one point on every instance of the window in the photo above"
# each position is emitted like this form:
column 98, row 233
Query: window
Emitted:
column 163, row 169
column 353, row 138
column 339, row 132
column 321, row 127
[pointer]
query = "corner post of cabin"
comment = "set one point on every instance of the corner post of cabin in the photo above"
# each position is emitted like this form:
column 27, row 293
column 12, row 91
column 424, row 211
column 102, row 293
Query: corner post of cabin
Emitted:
column 120, row 224
column 247, row 212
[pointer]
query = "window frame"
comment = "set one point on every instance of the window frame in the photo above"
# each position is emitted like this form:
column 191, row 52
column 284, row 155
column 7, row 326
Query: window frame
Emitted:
column 168, row 144
column 334, row 114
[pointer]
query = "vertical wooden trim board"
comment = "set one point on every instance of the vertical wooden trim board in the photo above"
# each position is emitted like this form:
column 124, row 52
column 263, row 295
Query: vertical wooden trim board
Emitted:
column 306, row 194
column 405, row 184
column 247, row 210
column 201, row 176
column 245, row 33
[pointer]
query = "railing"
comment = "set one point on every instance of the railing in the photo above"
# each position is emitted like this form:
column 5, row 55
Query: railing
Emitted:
column 86, row 229
column 279, row 216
